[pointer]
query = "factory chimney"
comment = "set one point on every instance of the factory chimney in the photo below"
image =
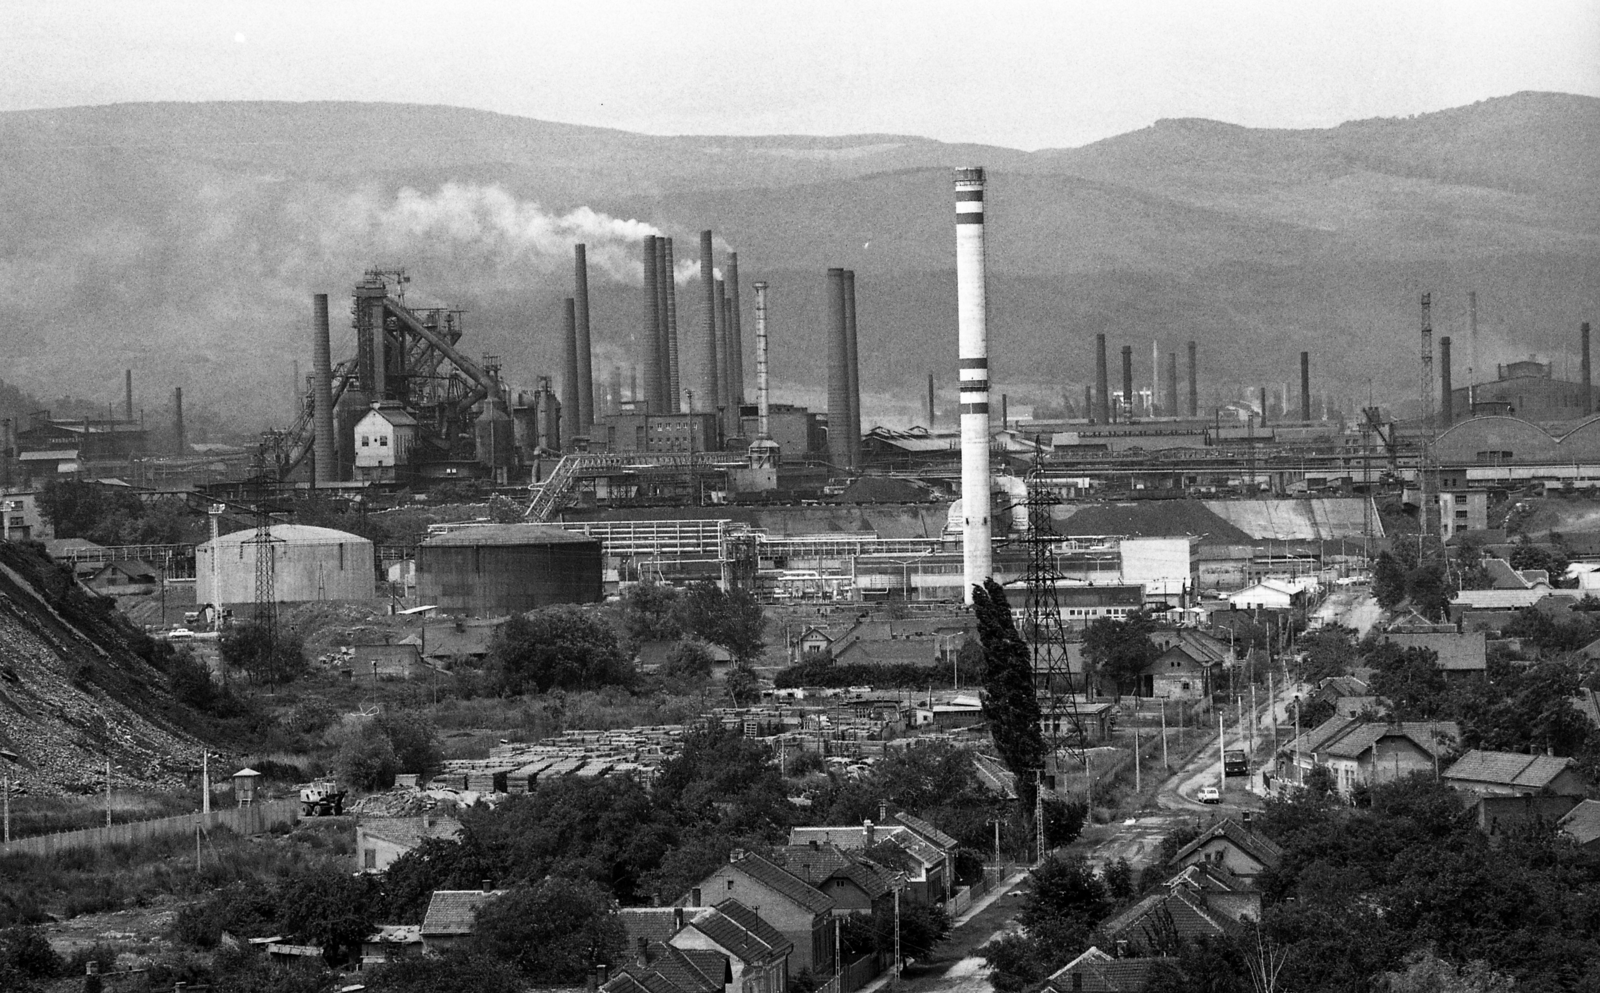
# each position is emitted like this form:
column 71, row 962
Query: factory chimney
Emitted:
column 614, row 391
column 127, row 395
column 650, row 332
column 1102, row 383
column 730, row 410
column 571, row 389
column 177, row 421
column 1127, row 382
column 1194, row 384
column 1586, row 370
column 584, row 413
column 854, row 365
column 931, row 414
column 838, row 373
column 763, row 451
column 735, row 338
column 1172, row 384
column 709, row 395
column 1263, row 406
column 1472, row 342
column 1305, row 386
column 973, row 337
column 674, row 380
column 1446, row 401
column 663, row 337
column 324, row 455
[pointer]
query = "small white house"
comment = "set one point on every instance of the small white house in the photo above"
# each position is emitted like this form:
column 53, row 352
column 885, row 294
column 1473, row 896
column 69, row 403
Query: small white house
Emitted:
column 383, row 440
column 1266, row 595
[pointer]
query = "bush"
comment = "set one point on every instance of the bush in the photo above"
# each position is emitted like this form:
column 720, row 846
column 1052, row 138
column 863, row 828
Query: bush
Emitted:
column 267, row 657
column 563, row 647
column 689, row 660
column 554, row 931
column 366, row 759
column 25, row 949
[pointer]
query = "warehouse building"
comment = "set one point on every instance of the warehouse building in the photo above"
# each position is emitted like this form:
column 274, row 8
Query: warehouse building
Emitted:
column 500, row 569
column 308, row 563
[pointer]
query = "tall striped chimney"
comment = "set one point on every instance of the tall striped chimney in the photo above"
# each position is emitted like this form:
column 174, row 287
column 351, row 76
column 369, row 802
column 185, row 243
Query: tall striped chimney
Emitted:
column 1172, row 385
column 735, row 336
column 973, row 335
column 764, row 453
column 838, row 374
column 650, row 332
column 583, row 414
column 1102, row 383
column 182, row 438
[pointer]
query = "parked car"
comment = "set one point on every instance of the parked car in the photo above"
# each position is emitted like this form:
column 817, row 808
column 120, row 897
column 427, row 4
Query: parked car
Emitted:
column 1209, row 794
column 180, row 634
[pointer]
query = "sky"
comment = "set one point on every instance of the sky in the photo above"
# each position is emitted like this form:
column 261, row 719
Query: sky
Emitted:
column 1020, row 74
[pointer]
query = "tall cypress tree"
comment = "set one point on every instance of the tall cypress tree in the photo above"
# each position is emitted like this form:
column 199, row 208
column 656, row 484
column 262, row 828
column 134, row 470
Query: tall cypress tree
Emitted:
column 1010, row 704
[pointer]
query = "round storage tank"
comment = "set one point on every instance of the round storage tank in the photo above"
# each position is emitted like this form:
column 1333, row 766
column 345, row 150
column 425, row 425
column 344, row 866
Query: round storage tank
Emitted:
column 501, row 569
column 309, row 563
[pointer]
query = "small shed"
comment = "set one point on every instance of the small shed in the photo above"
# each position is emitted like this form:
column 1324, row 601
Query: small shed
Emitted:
column 244, row 785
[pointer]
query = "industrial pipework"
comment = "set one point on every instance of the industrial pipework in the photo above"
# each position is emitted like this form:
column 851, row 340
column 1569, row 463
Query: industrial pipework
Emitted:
column 973, row 337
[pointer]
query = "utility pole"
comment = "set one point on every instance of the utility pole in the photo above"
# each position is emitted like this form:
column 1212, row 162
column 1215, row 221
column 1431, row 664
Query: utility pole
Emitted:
column 1138, row 782
column 1164, row 764
column 108, row 791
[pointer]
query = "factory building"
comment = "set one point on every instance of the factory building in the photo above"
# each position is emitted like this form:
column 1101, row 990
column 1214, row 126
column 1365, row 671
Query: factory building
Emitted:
column 798, row 432
column 308, row 563
column 1527, row 390
column 384, row 441
column 501, row 569
column 635, row 431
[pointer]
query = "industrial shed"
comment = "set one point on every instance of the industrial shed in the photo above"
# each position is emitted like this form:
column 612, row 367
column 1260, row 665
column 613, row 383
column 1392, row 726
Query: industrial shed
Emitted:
column 502, row 569
column 308, row 563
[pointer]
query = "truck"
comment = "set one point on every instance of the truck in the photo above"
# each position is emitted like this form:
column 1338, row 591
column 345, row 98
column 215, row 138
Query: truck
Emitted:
column 321, row 798
column 1234, row 763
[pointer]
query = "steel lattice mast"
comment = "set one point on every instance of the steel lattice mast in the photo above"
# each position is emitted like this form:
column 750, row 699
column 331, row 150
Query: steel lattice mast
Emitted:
column 1047, row 635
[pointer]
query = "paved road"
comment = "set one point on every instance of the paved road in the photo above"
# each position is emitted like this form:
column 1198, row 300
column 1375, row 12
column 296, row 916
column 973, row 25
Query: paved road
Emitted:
column 1351, row 607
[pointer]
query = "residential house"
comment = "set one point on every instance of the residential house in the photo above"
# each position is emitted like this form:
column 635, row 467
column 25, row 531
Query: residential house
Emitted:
column 856, row 884
column 1511, row 773
column 1361, row 752
column 1219, row 890
column 124, row 576
column 657, row 967
column 384, row 439
column 1582, row 825
column 932, row 835
column 800, row 912
column 1152, row 924
column 1461, row 656
column 1097, row 972
column 811, row 643
column 1501, row 814
column 1176, row 675
column 927, row 870
column 1269, row 594
column 381, row 840
column 391, row 942
column 1233, row 846
column 451, row 916
column 652, row 923
column 757, row 953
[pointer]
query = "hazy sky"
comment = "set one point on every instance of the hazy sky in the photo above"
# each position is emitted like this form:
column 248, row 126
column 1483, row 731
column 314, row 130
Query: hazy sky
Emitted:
column 1027, row 75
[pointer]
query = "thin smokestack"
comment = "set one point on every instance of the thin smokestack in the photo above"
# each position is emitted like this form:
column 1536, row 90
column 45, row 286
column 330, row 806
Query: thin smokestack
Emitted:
column 838, row 373
column 127, row 394
column 1127, row 381
column 583, row 412
column 735, row 335
column 1472, row 338
column 973, row 335
column 1447, row 405
column 763, row 423
column 853, row 366
column 730, row 412
column 1587, row 373
column 674, row 380
column 1088, row 401
column 1102, row 382
column 1194, row 383
column 1427, row 372
column 633, row 387
column 663, row 336
column 324, row 455
column 709, row 378
column 1172, row 384
column 1263, row 406
column 614, row 391
column 650, row 332
column 571, row 388
column 1305, row 386
column 177, row 421
column 930, row 401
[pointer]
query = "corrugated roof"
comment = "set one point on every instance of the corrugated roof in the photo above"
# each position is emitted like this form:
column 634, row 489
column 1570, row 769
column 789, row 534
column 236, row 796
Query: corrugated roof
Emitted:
column 1100, row 973
column 782, row 882
column 509, row 534
column 1313, row 519
column 452, row 911
column 738, row 930
column 820, row 863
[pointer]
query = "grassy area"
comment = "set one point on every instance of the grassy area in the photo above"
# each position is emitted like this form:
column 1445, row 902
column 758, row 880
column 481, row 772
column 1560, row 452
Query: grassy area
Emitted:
column 91, row 880
column 31, row 815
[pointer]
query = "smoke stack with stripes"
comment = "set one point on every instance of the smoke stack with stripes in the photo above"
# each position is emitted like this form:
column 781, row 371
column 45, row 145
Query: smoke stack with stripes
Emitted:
column 973, row 334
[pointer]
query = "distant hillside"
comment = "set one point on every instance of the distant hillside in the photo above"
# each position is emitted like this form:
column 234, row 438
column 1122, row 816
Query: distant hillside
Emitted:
column 186, row 239
column 75, row 688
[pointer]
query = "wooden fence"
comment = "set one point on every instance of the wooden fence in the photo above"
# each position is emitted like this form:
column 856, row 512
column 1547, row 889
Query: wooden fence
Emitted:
column 256, row 819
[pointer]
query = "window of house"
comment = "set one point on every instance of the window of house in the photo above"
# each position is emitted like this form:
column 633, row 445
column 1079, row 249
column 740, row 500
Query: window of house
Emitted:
column 369, row 859
column 363, row 441
column 383, row 441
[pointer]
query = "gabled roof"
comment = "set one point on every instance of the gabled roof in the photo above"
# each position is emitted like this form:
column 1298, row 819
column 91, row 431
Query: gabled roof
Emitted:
column 1582, row 823
column 741, row 932
column 1508, row 768
column 453, row 911
column 408, row 830
column 927, row 831
column 1103, row 974
column 786, row 885
column 1468, row 652
column 918, row 849
column 1190, row 919
column 1257, row 847
column 1210, row 877
column 667, row 969
column 816, row 864
column 649, row 923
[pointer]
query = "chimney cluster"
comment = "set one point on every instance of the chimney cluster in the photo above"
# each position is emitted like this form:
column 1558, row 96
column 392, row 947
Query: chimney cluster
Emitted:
column 1164, row 401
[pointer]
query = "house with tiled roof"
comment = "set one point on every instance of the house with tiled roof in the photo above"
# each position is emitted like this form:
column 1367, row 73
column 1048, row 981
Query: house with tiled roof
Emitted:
column 1512, row 773
column 799, row 911
column 381, row 840
column 932, row 835
column 1235, row 847
column 1582, row 825
column 1219, row 890
column 452, row 915
column 928, row 872
column 651, row 923
column 1362, row 752
column 1156, row 923
column 662, row 968
column 1097, row 972
column 856, row 884
column 1460, row 655
column 757, row 953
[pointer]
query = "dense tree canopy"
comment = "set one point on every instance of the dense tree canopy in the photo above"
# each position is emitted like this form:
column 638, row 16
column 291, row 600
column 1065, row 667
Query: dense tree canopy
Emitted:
column 564, row 647
column 1010, row 704
column 1121, row 650
column 553, row 931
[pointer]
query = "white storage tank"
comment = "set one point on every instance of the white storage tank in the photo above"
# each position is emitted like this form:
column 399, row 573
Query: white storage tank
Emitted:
column 309, row 563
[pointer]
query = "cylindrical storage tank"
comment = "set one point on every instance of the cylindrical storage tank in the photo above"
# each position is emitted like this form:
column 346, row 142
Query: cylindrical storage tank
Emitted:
column 309, row 563
column 501, row 569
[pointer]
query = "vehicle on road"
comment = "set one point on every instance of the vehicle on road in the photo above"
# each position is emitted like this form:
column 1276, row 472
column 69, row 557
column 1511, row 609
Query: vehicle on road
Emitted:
column 321, row 798
column 1234, row 763
column 1209, row 794
column 180, row 634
